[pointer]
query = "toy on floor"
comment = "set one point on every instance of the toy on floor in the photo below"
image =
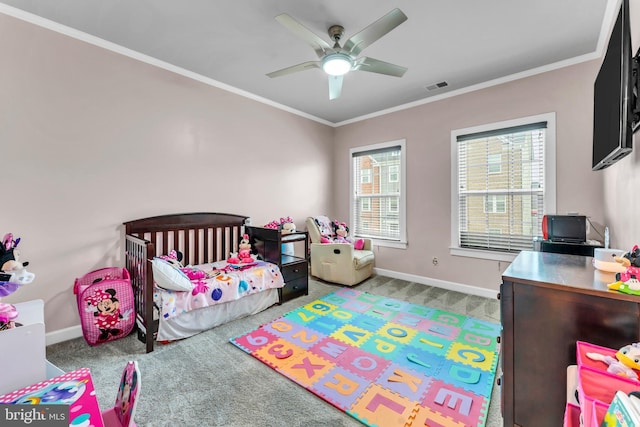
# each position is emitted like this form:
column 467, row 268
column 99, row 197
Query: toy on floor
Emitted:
column 626, row 363
column 121, row 415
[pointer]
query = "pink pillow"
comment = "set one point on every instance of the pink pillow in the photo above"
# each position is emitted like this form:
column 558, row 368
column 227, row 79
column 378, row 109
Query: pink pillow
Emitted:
column 358, row 244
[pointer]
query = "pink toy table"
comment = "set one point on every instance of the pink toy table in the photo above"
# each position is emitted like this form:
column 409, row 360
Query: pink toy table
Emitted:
column 74, row 388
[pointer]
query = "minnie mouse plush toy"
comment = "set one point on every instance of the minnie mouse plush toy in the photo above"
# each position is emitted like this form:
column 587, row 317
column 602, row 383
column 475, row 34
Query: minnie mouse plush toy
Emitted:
column 341, row 231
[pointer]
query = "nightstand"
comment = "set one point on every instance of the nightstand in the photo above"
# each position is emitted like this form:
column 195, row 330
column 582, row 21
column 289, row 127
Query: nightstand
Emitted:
column 268, row 243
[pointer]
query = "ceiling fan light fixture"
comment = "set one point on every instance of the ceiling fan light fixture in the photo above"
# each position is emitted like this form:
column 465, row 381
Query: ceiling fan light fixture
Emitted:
column 337, row 64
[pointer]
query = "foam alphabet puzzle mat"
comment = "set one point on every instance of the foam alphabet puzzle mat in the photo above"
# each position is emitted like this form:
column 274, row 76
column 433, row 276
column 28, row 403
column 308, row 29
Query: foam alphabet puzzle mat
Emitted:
column 384, row 361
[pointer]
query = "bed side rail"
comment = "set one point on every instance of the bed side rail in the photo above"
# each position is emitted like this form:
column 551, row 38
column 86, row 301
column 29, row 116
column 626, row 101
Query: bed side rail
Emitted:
column 136, row 262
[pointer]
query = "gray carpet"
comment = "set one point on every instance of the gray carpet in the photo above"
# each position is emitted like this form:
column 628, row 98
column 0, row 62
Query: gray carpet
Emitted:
column 206, row 381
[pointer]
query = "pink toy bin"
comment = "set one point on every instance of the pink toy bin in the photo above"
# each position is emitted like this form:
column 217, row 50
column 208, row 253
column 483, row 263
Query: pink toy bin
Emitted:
column 582, row 348
column 571, row 415
column 598, row 413
column 597, row 387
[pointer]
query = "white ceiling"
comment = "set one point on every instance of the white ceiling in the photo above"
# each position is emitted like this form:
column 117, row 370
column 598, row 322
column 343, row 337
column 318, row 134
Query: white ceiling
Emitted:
column 233, row 44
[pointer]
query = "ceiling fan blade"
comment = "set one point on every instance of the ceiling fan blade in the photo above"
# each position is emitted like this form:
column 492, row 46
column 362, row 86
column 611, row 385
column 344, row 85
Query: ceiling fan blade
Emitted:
column 295, row 68
column 376, row 66
column 319, row 45
column 335, row 86
column 373, row 32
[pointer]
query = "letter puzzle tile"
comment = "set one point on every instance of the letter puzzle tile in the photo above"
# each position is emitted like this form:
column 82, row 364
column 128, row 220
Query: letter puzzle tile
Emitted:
column 306, row 368
column 330, row 349
column 416, row 359
column 404, row 382
column 340, row 387
column 381, row 407
column 363, row 363
column 301, row 316
column 455, row 402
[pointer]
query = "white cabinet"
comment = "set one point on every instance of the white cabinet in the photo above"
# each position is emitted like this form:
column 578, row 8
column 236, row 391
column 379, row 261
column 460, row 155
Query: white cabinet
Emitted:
column 24, row 349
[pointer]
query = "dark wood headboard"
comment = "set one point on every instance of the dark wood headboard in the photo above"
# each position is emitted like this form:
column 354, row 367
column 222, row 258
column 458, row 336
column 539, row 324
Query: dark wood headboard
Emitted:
column 202, row 237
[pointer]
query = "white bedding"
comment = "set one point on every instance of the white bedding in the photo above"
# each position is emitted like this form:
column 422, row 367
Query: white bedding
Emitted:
column 194, row 322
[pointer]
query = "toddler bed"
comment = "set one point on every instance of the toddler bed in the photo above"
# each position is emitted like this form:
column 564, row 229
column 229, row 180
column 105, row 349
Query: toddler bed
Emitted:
column 219, row 292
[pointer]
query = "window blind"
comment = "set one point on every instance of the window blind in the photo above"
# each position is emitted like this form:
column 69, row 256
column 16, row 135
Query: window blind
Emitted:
column 377, row 192
column 501, row 187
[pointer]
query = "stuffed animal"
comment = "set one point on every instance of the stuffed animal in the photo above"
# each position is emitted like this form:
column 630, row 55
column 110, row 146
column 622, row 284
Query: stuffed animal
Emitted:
column 174, row 258
column 15, row 275
column 626, row 363
column 10, row 255
column 194, row 273
column 244, row 252
column 288, row 228
column 284, row 224
column 10, row 261
column 341, row 232
column 630, row 260
column 8, row 312
column 628, row 281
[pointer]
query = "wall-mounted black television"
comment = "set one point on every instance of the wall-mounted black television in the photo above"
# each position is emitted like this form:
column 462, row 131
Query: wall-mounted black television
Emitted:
column 616, row 113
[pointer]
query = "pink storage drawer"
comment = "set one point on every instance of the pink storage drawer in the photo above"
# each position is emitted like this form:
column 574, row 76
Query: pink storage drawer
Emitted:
column 571, row 415
column 598, row 413
column 596, row 386
column 582, row 348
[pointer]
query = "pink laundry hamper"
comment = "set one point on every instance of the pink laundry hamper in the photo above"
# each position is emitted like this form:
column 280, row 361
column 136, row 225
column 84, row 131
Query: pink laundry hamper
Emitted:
column 105, row 304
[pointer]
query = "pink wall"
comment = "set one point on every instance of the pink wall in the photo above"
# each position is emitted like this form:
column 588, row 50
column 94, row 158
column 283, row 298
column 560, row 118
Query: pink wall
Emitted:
column 91, row 139
column 568, row 92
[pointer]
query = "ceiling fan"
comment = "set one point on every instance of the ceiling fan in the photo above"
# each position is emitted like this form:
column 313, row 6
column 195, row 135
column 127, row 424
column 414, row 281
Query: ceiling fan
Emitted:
column 337, row 61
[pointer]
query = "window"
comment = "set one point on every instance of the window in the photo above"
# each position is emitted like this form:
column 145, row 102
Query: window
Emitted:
column 378, row 205
column 393, row 173
column 495, row 204
column 494, row 163
column 393, row 205
column 503, row 179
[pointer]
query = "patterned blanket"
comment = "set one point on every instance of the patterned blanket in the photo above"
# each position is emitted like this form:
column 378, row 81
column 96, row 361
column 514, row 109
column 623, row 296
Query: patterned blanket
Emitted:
column 223, row 282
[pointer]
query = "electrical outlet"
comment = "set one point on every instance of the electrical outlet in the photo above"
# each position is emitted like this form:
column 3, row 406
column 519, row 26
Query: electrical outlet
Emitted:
column 435, row 260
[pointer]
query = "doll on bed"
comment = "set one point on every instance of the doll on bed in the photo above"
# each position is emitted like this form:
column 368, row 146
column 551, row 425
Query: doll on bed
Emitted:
column 244, row 255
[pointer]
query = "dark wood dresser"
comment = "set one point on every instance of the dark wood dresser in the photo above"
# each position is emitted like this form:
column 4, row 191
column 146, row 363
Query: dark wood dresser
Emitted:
column 548, row 302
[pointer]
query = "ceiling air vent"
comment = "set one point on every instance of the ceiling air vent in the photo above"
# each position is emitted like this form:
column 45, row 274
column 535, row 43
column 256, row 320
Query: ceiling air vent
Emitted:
column 436, row 86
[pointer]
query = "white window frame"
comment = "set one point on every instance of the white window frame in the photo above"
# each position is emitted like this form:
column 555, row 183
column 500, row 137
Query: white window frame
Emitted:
column 549, row 170
column 402, row 204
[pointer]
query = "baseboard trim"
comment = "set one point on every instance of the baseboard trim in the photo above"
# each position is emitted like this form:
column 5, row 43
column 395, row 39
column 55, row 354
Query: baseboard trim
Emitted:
column 452, row 286
column 65, row 334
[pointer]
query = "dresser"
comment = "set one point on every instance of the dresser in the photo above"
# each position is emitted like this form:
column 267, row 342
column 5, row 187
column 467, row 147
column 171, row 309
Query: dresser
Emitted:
column 294, row 266
column 548, row 302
